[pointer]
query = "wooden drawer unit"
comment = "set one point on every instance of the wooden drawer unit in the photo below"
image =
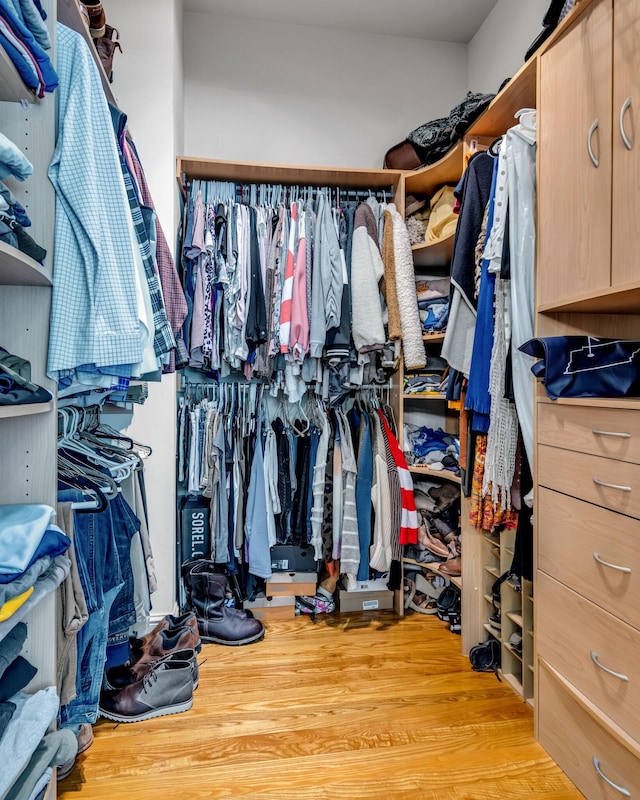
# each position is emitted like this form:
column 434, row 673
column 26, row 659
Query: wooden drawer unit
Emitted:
column 591, row 550
column 593, row 650
column 599, row 765
column 608, row 432
column 603, row 481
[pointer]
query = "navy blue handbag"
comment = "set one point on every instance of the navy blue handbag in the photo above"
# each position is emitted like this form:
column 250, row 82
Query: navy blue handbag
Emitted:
column 583, row 366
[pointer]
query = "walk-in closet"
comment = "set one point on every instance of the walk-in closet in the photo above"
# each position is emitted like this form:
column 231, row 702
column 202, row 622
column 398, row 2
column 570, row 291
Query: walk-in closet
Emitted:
column 319, row 367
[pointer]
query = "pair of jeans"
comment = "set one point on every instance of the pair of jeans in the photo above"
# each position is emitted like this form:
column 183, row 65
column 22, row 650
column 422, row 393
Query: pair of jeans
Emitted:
column 101, row 578
column 124, row 526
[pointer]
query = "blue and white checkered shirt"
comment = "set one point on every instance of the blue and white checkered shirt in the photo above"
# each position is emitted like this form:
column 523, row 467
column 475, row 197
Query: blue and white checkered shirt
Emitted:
column 94, row 317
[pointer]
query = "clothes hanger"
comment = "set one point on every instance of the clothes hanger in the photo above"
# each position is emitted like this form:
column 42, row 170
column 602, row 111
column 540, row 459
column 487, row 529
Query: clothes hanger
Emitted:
column 494, row 147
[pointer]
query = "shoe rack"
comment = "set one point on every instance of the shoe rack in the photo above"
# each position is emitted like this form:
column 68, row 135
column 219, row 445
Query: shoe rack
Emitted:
column 509, row 613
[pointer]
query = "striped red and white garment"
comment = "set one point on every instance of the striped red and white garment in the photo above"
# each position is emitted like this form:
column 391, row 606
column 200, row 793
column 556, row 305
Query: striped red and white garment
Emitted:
column 287, row 289
column 409, row 524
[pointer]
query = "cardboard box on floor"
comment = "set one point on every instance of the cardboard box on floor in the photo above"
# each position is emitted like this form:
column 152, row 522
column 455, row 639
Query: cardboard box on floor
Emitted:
column 275, row 608
column 365, row 601
column 291, row 584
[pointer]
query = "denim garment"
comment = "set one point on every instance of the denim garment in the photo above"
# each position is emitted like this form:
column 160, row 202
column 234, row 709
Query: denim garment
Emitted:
column 124, row 526
column 22, row 527
column 92, row 655
column 364, row 479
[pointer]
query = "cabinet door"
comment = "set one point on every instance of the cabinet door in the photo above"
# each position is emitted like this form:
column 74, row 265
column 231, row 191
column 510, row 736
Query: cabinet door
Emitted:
column 626, row 143
column 574, row 255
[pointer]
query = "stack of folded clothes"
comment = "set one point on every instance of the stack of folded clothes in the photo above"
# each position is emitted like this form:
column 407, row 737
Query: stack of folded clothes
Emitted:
column 433, row 378
column 16, row 387
column 24, row 36
column 433, row 303
column 32, row 564
column 431, row 447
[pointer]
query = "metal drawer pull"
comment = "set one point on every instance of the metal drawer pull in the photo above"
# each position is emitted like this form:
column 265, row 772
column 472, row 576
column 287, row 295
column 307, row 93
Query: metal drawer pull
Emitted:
column 598, row 482
column 621, row 789
column 618, row 434
column 625, row 107
column 608, row 564
column 594, row 159
column 620, row 675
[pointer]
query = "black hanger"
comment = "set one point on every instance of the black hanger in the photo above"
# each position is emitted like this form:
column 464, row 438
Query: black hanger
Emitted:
column 494, row 147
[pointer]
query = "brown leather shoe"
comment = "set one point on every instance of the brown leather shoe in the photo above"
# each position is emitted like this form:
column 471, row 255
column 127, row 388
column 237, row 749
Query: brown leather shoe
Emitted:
column 85, row 18
column 119, row 677
column 166, row 689
column 452, row 567
column 97, row 18
column 106, row 46
column 171, row 622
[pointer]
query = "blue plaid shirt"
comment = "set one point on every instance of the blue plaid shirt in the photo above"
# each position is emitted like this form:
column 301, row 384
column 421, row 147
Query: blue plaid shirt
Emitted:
column 94, row 317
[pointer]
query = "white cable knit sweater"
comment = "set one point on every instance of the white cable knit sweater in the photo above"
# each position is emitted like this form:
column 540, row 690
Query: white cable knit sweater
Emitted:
column 412, row 344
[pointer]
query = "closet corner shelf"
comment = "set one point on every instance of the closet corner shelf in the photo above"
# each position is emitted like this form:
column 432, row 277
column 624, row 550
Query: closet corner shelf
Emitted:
column 489, row 598
column 492, row 571
column 28, row 409
column 623, row 299
column 18, row 269
column 435, row 567
column 514, row 682
column 530, row 668
column 433, row 254
column 12, row 88
column 445, row 474
column 433, row 338
column 493, row 540
column 491, row 631
column 426, row 180
column 517, row 618
column 519, row 93
column 425, row 396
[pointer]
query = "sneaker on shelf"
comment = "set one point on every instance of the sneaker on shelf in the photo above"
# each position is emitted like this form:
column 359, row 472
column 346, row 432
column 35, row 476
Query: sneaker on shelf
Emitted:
column 495, row 620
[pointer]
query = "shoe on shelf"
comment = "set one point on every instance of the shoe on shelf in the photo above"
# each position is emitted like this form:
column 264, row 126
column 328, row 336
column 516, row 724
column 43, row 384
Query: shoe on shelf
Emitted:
column 452, row 567
column 106, row 45
column 97, row 17
column 167, row 688
column 495, row 620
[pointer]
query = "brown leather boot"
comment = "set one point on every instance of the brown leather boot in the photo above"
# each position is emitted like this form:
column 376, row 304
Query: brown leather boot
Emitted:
column 97, row 17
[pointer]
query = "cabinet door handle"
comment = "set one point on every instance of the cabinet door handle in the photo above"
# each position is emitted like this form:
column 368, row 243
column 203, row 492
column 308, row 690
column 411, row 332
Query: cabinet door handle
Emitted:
column 625, row 107
column 619, row 675
column 598, row 482
column 621, row 789
column 604, row 563
column 594, row 159
column 618, row 434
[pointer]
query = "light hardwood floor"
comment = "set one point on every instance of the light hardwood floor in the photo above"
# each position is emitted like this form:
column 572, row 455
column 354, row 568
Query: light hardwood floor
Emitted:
column 351, row 707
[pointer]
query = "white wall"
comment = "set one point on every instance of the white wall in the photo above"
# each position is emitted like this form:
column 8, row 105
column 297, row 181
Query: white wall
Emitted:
column 148, row 87
column 261, row 91
column 497, row 50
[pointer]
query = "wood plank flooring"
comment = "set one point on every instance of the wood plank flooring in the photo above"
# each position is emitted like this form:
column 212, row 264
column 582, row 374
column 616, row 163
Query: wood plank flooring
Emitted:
column 352, row 707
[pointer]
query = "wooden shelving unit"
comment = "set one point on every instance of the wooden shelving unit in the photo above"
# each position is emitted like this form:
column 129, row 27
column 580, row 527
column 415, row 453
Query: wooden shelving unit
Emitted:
column 19, row 269
column 29, row 409
column 425, row 471
column 435, row 567
column 12, row 88
column 425, row 396
column 433, row 254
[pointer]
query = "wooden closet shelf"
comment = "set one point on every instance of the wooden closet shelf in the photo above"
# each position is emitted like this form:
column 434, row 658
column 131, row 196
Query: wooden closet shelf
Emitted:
column 531, row 668
column 492, row 571
column 493, row 540
column 623, row 299
column 519, row 93
column 433, row 254
column 444, row 474
column 18, row 269
column 425, row 396
column 256, row 172
column 12, row 88
column 28, row 409
column 514, row 682
column 426, row 180
column 491, row 631
column 513, row 652
column 517, row 618
column 433, row 338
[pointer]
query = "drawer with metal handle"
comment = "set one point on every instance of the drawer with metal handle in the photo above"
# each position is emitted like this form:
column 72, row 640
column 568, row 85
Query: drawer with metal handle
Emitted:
column 592, row 649
column 607, row 432
column 603, row 481
column 600, row 763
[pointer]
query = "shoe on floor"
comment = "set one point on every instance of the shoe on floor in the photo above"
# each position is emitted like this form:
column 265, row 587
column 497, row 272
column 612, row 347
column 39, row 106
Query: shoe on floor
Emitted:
column 85, row 740
column 119, row 677
column 166, row 689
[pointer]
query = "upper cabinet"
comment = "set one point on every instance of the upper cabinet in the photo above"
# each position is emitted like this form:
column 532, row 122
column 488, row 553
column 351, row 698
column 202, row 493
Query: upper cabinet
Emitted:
column 625, row 216
column 575, row 160
column 589, row 174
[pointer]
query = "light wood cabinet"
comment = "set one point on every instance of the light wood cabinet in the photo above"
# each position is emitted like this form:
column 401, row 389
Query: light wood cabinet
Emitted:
column 574, row 145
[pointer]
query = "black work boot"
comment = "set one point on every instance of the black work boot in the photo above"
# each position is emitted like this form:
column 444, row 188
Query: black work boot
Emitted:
column 206, row 592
